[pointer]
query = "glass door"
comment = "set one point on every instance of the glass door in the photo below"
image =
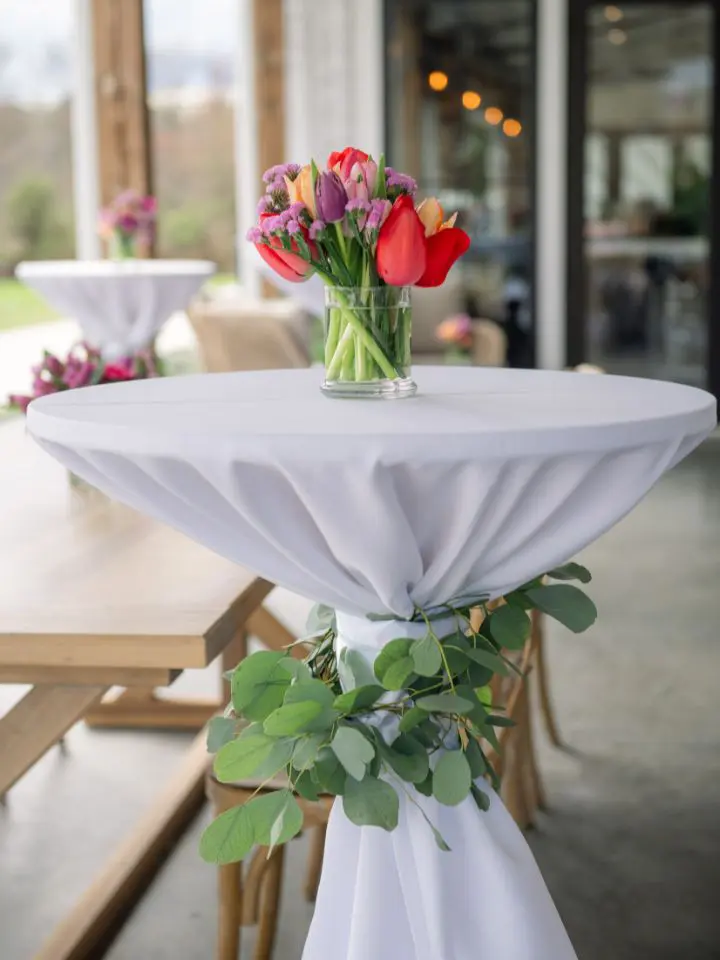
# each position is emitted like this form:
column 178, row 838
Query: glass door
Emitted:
column 642, row 102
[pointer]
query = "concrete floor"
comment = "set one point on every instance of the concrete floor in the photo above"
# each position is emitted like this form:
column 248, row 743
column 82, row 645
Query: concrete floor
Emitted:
column 630, row 847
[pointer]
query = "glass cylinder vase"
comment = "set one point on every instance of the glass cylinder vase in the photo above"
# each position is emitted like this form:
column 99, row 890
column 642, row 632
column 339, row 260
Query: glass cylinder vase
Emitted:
column 367, row 342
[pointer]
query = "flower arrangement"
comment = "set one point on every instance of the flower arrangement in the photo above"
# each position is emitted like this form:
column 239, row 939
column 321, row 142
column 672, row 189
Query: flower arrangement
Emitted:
column 357, row 225
column 83, row 367
column 419, row 721
column 128, row 224
column 456, row 334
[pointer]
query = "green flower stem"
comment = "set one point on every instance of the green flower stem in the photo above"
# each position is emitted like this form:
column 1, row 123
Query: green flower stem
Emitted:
column 364, row 338
column 332, row 338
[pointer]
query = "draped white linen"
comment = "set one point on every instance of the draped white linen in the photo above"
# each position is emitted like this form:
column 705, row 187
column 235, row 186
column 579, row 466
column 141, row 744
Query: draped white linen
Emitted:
column 120, row 305
column 486, row 479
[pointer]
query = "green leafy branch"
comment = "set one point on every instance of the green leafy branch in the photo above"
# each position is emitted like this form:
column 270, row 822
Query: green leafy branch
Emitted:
column 420, row 719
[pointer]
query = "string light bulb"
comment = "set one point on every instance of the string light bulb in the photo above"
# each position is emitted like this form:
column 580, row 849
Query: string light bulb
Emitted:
column 512, row 128
column 613, row 13
column 617, row 37
column 493, row 115
column 471, row 100
column 437, row 80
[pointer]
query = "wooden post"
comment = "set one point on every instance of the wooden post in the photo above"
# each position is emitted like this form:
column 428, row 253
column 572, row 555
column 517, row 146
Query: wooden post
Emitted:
column 121, row 98
column 269, row 46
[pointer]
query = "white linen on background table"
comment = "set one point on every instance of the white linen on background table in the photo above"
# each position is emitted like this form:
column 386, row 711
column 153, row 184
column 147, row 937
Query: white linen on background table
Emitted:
column 120, row 305
column 483, row 481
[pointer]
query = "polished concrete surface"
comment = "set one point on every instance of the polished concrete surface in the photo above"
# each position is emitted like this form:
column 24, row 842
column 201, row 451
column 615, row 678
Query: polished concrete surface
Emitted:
column 630, row 847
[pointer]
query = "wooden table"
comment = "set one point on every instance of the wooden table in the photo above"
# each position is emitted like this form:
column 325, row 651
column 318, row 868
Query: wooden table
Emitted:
column 93, row 595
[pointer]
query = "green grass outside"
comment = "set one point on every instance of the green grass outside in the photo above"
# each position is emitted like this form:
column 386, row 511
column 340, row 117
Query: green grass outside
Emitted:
column 21, row 307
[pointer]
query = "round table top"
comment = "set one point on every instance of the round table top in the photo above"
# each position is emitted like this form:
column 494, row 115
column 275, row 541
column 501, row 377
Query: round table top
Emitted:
column 482, row 481
column 73, row 269
column 459, row 411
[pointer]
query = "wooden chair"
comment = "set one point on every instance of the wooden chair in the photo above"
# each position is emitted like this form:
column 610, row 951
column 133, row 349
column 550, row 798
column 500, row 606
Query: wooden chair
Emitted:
column 250, row 334
column 249, row 895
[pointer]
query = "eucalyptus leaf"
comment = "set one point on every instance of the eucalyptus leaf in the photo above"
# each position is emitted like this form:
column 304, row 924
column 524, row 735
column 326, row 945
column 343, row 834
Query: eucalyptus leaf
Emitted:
column 229, row 838
column 310, row 690
column 445, row 703
column 509, row 626
column 330, row 773
column 496, row 721
column 241, row 758
column 439, row 839
column 398, row 673
column 259, row 683
column 565, row 603
column 297, row 669
column 475, row 759
column 426, row 656
column 456, row 648
column 408, row 758
column 221, row 730
column 489, row 660
column 353, row 751
column 393, row 651
column 480, row 797
column 484, row 695
column 292, row 718
column 411, row 718
column 371, row 803
column 306, row 751
column 570, row 571
column 354, row 670
column 358, row 699
column 305, row 785
column 425, row 787
column 451, row 778
column 275, row 816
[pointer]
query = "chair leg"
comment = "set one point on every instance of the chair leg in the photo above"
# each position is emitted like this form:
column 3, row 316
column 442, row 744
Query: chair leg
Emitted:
column 546, row 708
column 230, row 911
column 270, row 904
column 535, row 784
column 315, row 862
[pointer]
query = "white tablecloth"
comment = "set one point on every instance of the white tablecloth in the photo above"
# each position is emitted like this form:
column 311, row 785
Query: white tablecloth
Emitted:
column 484, row 480
column 120, row 305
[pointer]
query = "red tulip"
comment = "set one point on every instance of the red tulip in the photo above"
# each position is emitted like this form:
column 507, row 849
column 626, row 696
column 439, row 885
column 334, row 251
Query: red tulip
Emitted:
column 401, row 257
column 342, row 161
column 289, row 265
column 442, row 250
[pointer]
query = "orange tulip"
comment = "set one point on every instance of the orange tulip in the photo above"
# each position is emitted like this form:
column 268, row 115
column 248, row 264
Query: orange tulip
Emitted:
column 300, row 190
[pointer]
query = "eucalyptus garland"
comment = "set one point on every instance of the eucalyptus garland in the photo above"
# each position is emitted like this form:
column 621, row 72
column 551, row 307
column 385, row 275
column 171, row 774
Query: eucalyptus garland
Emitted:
column 420, row 720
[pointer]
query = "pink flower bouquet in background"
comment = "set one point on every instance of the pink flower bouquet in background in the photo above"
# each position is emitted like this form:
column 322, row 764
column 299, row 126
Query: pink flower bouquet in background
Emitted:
column 83, row 367
column 456, row 334
column 128, row 225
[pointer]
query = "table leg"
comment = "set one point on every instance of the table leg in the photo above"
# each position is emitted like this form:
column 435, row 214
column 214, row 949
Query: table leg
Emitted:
column 37, row 722
column 88, row 929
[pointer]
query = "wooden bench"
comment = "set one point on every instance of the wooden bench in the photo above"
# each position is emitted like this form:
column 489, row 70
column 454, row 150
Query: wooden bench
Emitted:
column 93, row 595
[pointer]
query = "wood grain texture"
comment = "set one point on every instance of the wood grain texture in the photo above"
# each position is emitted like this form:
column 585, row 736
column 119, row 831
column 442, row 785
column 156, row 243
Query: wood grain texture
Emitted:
column 118, row 589
column 124, row 154
column 86, row 931
column 36, row 723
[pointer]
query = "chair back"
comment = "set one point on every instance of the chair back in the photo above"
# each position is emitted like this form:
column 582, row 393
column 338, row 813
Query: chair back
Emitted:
column 250, row 335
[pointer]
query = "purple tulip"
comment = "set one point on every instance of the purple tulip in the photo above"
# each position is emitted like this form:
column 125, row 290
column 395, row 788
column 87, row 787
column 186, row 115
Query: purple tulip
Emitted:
column 330, row 198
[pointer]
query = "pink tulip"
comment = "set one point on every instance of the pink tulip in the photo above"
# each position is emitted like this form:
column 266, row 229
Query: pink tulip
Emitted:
column 361, row 182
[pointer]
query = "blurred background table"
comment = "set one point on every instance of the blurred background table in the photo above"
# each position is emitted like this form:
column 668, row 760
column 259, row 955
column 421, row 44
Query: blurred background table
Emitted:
column 120, row 305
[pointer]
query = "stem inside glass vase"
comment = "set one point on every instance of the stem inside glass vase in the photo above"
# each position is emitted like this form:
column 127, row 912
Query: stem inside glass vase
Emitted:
column 368, row 342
